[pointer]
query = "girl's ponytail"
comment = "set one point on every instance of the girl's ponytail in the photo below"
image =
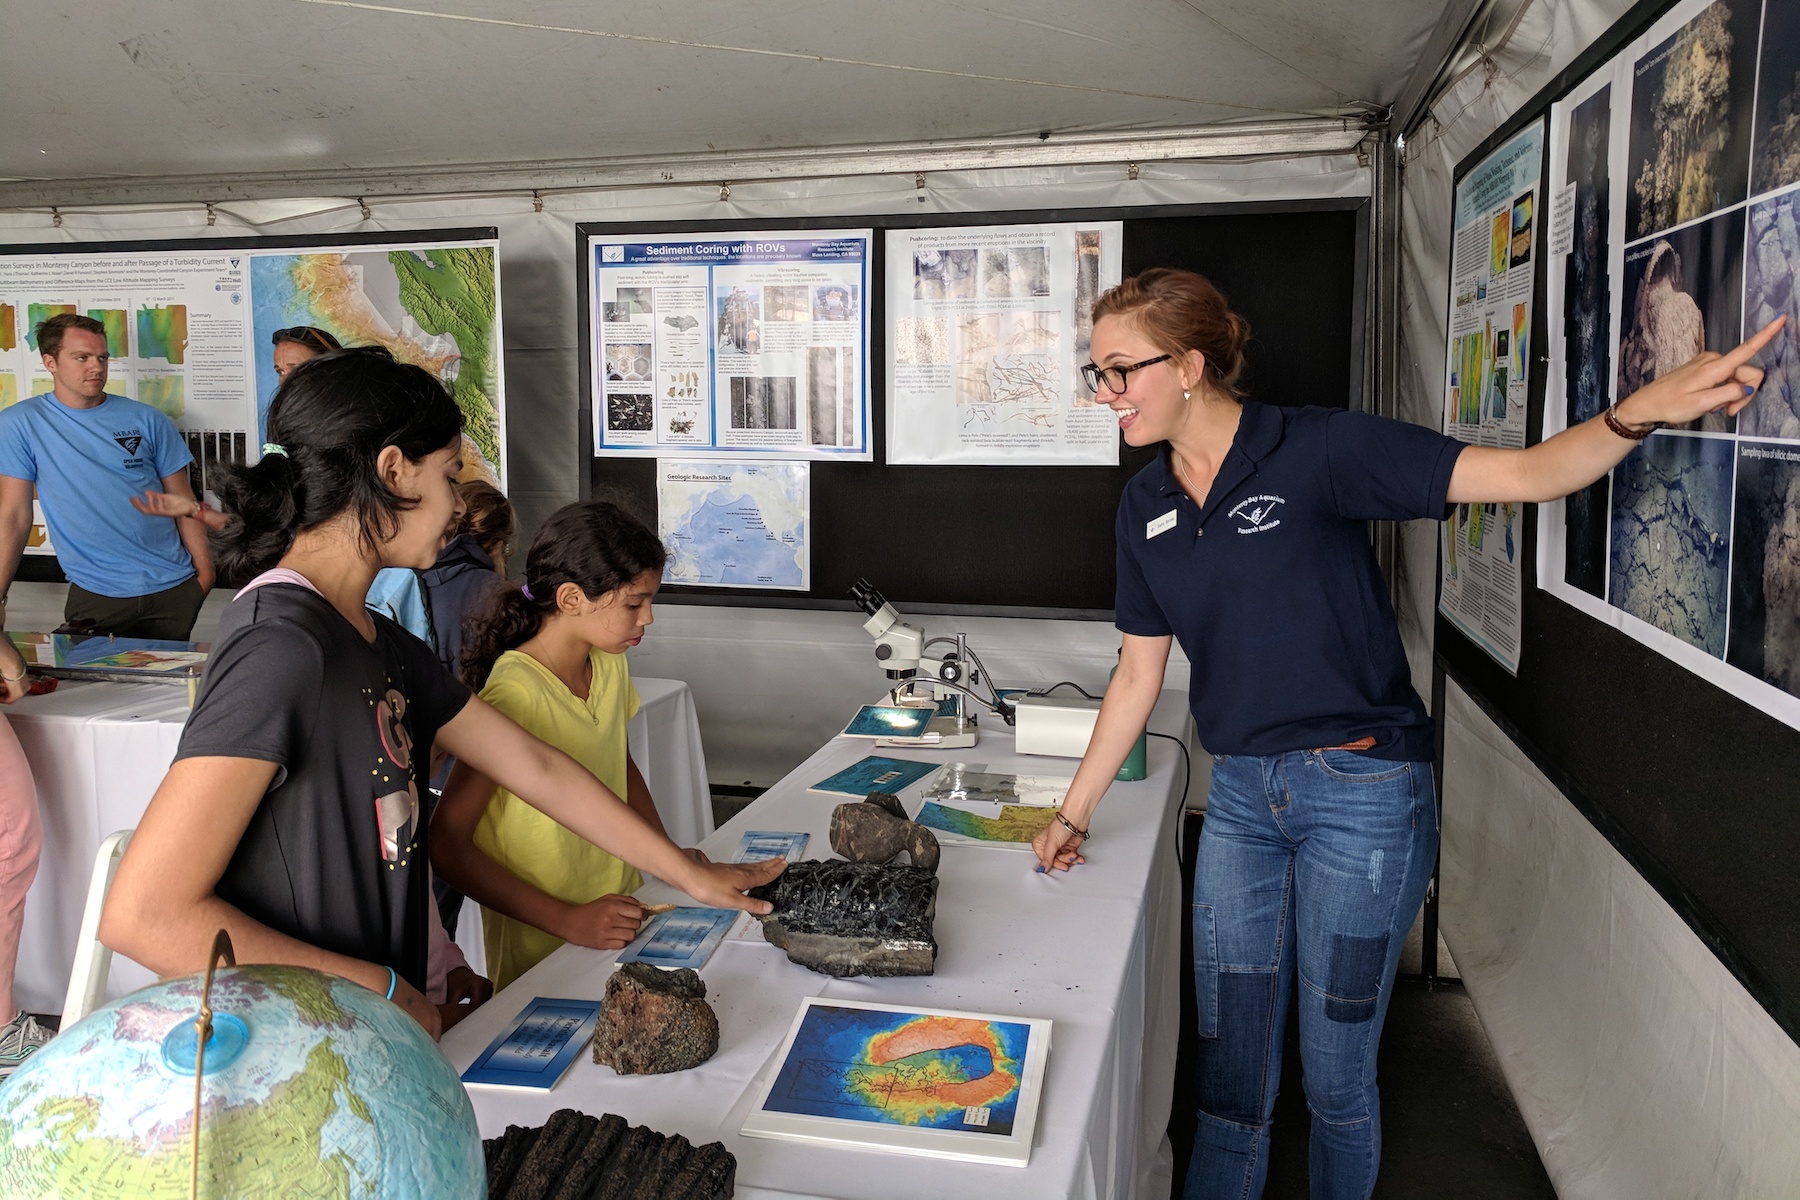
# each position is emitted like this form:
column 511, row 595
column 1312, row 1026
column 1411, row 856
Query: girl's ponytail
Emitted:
column 265, row 503
column 505, row 622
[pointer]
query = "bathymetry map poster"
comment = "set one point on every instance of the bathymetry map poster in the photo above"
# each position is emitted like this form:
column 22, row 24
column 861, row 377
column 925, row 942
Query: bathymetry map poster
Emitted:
column 1680, row 160
column 1492, row 258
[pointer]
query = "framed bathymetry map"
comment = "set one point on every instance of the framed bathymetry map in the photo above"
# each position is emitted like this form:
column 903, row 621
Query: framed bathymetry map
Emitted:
column 907, row 1081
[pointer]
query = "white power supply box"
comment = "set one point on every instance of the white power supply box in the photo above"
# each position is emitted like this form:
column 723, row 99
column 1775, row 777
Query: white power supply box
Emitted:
column 1055, row 725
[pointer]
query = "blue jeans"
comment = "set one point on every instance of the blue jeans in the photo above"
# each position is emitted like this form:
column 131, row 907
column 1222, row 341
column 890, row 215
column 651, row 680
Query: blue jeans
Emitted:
column 1311, row 864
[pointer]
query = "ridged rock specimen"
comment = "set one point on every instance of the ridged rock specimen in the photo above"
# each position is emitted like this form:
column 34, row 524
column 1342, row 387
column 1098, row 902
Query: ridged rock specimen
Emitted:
column 577, row 1157
column 877, row 830
column 655, row 1021
column 845, row 918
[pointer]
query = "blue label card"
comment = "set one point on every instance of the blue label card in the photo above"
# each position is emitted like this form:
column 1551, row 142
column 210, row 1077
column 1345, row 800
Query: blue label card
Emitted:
column 537, row 1048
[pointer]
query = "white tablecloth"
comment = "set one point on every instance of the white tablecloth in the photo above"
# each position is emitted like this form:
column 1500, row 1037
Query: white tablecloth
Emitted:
column 1096, row 951
column 98, row 751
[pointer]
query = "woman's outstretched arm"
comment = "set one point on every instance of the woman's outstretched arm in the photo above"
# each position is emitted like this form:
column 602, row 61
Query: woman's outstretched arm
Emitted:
column 1578, row 456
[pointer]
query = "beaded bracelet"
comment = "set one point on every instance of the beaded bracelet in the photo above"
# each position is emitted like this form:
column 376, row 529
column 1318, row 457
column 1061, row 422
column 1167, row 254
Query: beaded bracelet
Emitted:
column 1081, row 835
column 1625, row 431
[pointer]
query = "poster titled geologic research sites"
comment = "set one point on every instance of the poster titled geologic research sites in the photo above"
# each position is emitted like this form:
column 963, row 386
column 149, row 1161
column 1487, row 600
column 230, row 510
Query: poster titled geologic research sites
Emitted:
column 741, row 343
column 1492, row 258
column 1677, row 172
column 988, row 327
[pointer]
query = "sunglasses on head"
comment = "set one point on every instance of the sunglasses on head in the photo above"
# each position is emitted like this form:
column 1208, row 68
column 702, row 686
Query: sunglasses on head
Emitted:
column 304, row 334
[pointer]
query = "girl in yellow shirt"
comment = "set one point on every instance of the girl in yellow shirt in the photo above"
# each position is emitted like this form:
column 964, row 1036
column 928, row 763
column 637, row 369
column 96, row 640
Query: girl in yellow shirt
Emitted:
column 551, row 655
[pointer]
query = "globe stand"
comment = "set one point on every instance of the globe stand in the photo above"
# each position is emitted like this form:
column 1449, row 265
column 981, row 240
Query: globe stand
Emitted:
column 234, row 1035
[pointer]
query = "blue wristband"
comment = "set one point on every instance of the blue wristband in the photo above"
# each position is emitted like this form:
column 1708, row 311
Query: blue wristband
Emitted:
column 393, row 982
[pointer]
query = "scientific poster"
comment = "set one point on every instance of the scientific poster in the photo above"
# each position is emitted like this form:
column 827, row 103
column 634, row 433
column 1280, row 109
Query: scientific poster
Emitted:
column 189, row 330
column 1684, row 156
column 736, row 524
column 1492, row 258
column 433, row 304
column 743, row 343
column 988, row 327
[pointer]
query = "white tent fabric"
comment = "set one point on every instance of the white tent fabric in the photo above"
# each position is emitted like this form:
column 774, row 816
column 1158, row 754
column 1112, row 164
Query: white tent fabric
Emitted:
column 1642, row 1067
column 209, row 86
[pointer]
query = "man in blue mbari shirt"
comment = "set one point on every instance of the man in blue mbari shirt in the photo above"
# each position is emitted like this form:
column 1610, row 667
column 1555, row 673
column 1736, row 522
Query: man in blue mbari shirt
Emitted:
column 88, row 454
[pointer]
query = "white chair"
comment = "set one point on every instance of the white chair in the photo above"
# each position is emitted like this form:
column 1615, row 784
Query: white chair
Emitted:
column 93, row 961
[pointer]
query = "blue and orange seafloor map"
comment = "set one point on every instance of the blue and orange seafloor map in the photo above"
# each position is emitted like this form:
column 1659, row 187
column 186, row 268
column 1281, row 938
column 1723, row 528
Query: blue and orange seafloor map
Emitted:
column 435, row 306
column 897, row 1068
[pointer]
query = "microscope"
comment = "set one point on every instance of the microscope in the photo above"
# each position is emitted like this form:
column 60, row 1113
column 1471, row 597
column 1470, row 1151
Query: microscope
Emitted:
column 945, row 683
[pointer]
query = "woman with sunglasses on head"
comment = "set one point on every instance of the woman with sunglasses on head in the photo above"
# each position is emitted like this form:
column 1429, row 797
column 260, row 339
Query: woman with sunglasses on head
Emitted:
column 1247, row 540
column 300, row 343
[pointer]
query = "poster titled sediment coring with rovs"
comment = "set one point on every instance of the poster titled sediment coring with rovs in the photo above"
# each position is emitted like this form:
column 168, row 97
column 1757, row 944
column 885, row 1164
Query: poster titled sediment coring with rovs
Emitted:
column 735, row 343
column 988, row 327
column 1680, row 162
column 1492, row 257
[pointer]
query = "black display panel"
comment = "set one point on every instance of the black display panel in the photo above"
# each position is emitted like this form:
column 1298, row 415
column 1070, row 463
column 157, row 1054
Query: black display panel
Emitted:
column 1037, row 540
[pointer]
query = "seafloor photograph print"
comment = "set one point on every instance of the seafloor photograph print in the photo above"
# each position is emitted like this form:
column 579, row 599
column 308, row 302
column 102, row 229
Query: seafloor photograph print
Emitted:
column 1682, row 293
column 1775, row 157
column 1771, row 288
column 1671, row 542
column 1690, row 120
column 1586, row 320
column 1765, row 565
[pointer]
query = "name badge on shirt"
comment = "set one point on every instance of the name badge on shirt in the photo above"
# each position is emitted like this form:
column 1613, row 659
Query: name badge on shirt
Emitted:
column 1162, row 524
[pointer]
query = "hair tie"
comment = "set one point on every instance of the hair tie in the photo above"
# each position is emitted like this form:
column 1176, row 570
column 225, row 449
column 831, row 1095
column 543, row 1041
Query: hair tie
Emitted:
column 526, row 588
column 274, row 448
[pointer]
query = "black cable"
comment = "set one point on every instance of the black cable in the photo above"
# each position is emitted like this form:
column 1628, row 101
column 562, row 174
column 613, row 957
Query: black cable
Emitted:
column 1187, row 775
column 1077, row 687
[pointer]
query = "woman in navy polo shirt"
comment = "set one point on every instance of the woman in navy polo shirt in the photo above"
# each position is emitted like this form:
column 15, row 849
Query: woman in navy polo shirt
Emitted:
column 1247, row 540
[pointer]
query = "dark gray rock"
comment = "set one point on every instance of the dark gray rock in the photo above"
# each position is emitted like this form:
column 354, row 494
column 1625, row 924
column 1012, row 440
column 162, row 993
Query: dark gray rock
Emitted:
column 877, row 830
column 655, row 1021
column 846, row 918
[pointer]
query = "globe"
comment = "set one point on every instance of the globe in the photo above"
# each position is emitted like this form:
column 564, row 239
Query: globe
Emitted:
column 313, row 1087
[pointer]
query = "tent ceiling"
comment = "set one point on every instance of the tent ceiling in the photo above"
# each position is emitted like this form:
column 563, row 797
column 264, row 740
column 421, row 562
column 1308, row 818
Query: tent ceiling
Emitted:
column 124, row 88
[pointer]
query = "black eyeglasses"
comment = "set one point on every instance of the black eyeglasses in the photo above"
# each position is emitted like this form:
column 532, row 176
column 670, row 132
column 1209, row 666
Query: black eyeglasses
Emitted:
column 306, row 335
column 1115, row 377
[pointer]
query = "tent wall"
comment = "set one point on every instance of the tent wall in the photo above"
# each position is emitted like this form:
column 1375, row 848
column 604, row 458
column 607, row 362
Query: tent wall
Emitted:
column 1641, row 1065
column 769, row 684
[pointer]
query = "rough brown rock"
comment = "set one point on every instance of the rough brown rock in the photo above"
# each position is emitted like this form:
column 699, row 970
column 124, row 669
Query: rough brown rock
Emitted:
column 655, row 1021
column 877, row 830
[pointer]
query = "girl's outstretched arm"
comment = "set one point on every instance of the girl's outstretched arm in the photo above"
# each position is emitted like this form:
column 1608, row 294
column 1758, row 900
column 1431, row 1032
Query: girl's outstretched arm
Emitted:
column 162, row 910
column 603, row 924
column 1583, row 453
column 560, row 788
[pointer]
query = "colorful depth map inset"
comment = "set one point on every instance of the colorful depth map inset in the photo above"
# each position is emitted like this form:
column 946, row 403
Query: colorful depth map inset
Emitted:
column 162, row 332
column 118, row 329
column 37, row 314
column 9, row 327
column 888, row 1068
column 1016, row 822
column 436, row 307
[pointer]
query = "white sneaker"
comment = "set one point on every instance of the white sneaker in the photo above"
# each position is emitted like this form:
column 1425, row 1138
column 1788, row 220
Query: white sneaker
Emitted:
column 19, row 1040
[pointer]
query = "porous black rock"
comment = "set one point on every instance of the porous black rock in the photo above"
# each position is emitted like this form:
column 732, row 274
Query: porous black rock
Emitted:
column 655, row 1021
column 877, row 830
column 846, row 918
column 575, row 1157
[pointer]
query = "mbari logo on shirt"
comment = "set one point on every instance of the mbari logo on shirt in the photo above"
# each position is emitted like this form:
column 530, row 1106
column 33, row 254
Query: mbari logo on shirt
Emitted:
column 1257, row 513
column 396, row 796
column 129, row 440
